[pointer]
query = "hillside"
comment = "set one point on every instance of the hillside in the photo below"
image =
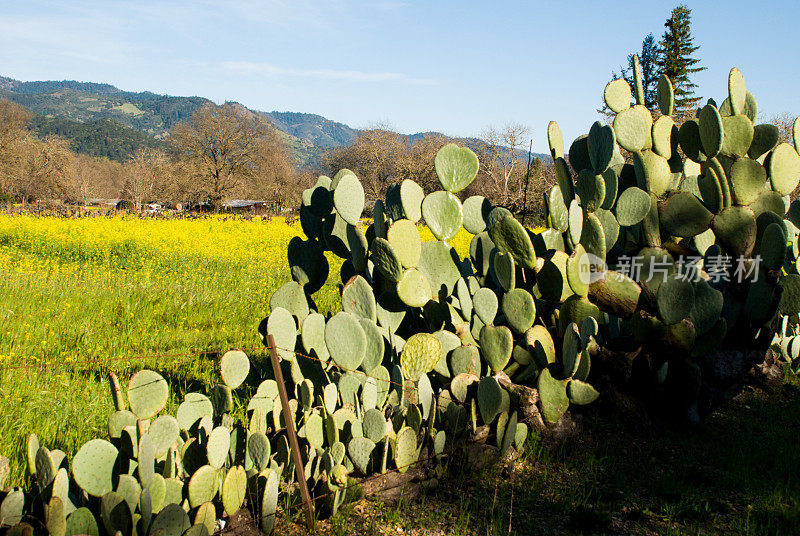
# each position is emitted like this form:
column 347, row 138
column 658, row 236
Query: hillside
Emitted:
column 103, row 120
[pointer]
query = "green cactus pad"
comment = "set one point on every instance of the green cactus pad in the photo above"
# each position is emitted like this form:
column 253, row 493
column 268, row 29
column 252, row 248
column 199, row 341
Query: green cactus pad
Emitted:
column 374, row 425
column 652, row 172
column 579, row 154
column 147, row 393
column 259, row 450
column 12, row 508
column 738, row 135
column 465, row 360
column 202, row 486
column 552, row 396
column 291, row 297
column 443, row 214
column 675, row 299
column 456, row 167
column 348, row 198
column 497, row 343
column 707, row 307
column 283, row 328
column 638, row 85
column 313, row 336
column 591, row 189
column 403, row 236
column 420, row 354
column 376, row 346
column 269, row 503
column 519, row 309
column 541, row 345
column 438, row 264
column 116, row 514
column 610, row 227
column 380, row 220
column 581, row 393
column 146, row 459
column 790, row 298
column 576, row 309
column 735, row 227
column 555, row 140
column 386, row 259
column 592, row 236
column 405, row 201
column 665, row 95
column 784, row 169
column 360, row 449
column 359, row 245
column 772, row 247
column 632, row 128
column 564, row 177
column 632, row 206
column 552, row 277
column 682, row 214
column 617, row 95
column 358, row 299
column 690, row 140
column 485, row 304
column 602, row 143
column 711, row 130
column 503, row 269
column 557, row 211
column 576, row 217
column 765, row 138
column 234, row 368
column 405, row 449
column 665, row 136
column 480, row 252
column 172, row 520
column 346, row 340
column 578, row 271
column 194, row 407
column 510, row 236
column 82, row 522
column 234, row 488
column 218, row 446
column 476, row 209
column 490, row 399
column 94, row 465
column 737, row 94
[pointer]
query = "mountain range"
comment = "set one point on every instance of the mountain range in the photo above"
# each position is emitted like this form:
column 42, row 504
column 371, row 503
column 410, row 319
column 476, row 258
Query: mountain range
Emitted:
column 102, row 120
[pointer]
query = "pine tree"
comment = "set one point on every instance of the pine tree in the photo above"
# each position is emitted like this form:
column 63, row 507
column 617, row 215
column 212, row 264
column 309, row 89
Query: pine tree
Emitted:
column 650, row 73
column 674, row 58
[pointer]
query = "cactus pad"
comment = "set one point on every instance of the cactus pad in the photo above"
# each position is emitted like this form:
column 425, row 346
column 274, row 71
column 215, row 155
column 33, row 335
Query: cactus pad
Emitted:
column 147, row 393
column 497, row 343
column 443, row 214
column 784, row 169
column 360, row 451
column 456, row 167
column 519, row 309
column 406, row 243
column 510, row 236
column 358, row 298
column 675, row 299
column 94, row 465
column 552, row 396
column 618, row 95
column 490, row 399
column 602, row 143
column 420, row 354
column 234, row 368
column 632, row 206
column 632, row 128
column 348, row 197
column 581, row 393
column 202, row 486
column 476, row 208
column 346, row 340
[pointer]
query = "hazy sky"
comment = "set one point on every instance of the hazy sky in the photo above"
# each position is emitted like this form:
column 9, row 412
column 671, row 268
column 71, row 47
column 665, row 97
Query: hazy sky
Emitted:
column 455, row 66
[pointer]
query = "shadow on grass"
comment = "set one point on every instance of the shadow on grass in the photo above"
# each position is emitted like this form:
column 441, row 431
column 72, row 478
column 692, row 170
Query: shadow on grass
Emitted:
column 737, row 473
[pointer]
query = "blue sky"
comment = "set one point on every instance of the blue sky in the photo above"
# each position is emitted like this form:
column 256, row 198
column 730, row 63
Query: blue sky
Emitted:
column 455, row 67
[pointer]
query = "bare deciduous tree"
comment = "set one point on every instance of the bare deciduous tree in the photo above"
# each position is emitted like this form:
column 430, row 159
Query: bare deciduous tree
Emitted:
column 223, row 143
column 503, row 163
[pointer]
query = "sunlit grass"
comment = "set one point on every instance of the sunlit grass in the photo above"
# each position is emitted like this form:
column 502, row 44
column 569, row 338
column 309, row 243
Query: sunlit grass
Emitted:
column 101, row 293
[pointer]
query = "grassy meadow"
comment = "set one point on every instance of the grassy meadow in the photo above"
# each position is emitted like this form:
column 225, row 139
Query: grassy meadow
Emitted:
column 85, row 296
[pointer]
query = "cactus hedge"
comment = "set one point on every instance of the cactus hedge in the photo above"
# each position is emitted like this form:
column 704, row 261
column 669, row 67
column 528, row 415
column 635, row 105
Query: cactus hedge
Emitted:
column 668, row 254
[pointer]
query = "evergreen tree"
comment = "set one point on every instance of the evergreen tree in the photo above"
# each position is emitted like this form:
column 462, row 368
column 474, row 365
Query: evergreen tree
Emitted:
column 650, row 73
column 675, row 59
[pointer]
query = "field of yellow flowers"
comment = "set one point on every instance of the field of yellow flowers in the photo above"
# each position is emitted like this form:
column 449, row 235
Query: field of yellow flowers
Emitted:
column 85, row 296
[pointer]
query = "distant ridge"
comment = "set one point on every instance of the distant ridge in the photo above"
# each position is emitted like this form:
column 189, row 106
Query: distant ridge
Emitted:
column 102, row 120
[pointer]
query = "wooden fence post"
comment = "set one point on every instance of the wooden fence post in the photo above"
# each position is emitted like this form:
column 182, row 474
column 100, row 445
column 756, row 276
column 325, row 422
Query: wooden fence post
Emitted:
column 295, row 447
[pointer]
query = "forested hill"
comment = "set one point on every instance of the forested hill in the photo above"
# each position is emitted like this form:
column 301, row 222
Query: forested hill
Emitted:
column 103, row 120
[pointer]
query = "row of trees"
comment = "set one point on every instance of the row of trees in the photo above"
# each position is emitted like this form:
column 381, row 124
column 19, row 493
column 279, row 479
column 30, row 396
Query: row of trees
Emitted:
column 227, row 152
column 224, row 151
